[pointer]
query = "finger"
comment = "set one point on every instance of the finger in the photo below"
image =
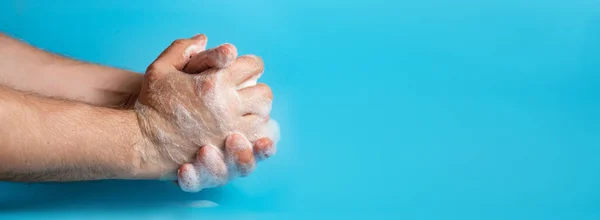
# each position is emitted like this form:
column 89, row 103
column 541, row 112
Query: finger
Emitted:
column 246, row 69
column 256, row 100
column 179, row 52
column 219, row 57
column 264, row 148
column 188, row 178
column 214, row 172
column 240, row 158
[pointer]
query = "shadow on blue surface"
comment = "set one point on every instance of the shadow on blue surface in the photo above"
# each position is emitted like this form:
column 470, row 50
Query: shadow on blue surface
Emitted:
column 101, row 195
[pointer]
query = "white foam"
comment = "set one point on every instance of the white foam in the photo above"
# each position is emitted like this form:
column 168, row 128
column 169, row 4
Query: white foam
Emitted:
column 250, row 82
column 271, row 130
column 192, row 50
column 239, row 145
column 207, row 172
column 190, row 180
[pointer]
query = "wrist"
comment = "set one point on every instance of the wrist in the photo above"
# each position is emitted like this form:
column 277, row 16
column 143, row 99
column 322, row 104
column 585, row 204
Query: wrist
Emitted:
column 54, row 140
column 123, row 144
column 148, row 162
column 119, row 144
column 142, row 151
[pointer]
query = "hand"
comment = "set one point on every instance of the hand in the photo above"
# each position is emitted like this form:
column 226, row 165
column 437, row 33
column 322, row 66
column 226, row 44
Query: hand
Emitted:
column 212, row 167
column 179, row 112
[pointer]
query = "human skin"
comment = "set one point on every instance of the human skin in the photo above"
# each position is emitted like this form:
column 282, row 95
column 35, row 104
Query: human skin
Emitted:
column 35, row 125
column 180, row 113
column 27, row 68
column 223, row 95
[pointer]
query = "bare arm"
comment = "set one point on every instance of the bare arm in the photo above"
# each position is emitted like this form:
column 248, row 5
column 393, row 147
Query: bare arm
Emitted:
column 27, row 68
column 46, row 139
column 43, row 139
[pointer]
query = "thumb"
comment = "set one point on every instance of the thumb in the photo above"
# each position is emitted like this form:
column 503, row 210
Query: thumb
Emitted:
column 179, row 52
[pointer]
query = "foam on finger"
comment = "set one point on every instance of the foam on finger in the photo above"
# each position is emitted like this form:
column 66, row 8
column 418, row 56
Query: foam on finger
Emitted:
column 263, row 149
column 239, row 155
column 207, row 171
column 215, row 171
column 188, row 178
column 270, row 131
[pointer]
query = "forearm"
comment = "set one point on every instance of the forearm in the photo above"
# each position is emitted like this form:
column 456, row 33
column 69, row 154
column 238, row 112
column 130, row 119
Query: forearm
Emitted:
column 30, row 69
column 42, row 139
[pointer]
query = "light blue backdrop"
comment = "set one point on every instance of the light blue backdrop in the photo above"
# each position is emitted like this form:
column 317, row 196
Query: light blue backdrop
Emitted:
column 463, row 109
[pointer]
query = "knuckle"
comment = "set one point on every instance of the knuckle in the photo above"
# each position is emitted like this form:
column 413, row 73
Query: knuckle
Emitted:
column 201, row 152
column 234, row 140
column 222, row 56
column 228, row 50
column 152, row 69
column 207, row 86
column 267, row 91
column 180, row 42
column 255, row 61
column 152, row 72
column 263, row 144
column 184, row 170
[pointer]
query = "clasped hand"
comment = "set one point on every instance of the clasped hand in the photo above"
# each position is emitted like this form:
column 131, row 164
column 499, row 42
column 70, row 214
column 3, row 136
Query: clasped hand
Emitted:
column 203, row 117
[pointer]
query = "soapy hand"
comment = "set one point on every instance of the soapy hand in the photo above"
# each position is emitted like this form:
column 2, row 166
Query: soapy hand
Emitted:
column 212, row 167
column 180, row 113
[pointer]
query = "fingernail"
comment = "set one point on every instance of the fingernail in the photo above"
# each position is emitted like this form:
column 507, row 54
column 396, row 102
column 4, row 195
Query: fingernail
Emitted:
column 199, row 37
column 228, row 49
column 224, row 48
column 201, row 41
column 226, row 54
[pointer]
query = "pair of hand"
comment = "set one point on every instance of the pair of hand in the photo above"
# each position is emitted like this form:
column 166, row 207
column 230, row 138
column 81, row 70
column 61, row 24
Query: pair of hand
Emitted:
column 202, row 114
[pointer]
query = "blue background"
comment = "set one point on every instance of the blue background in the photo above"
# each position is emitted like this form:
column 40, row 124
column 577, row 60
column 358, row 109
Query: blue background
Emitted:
column 431, row 109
